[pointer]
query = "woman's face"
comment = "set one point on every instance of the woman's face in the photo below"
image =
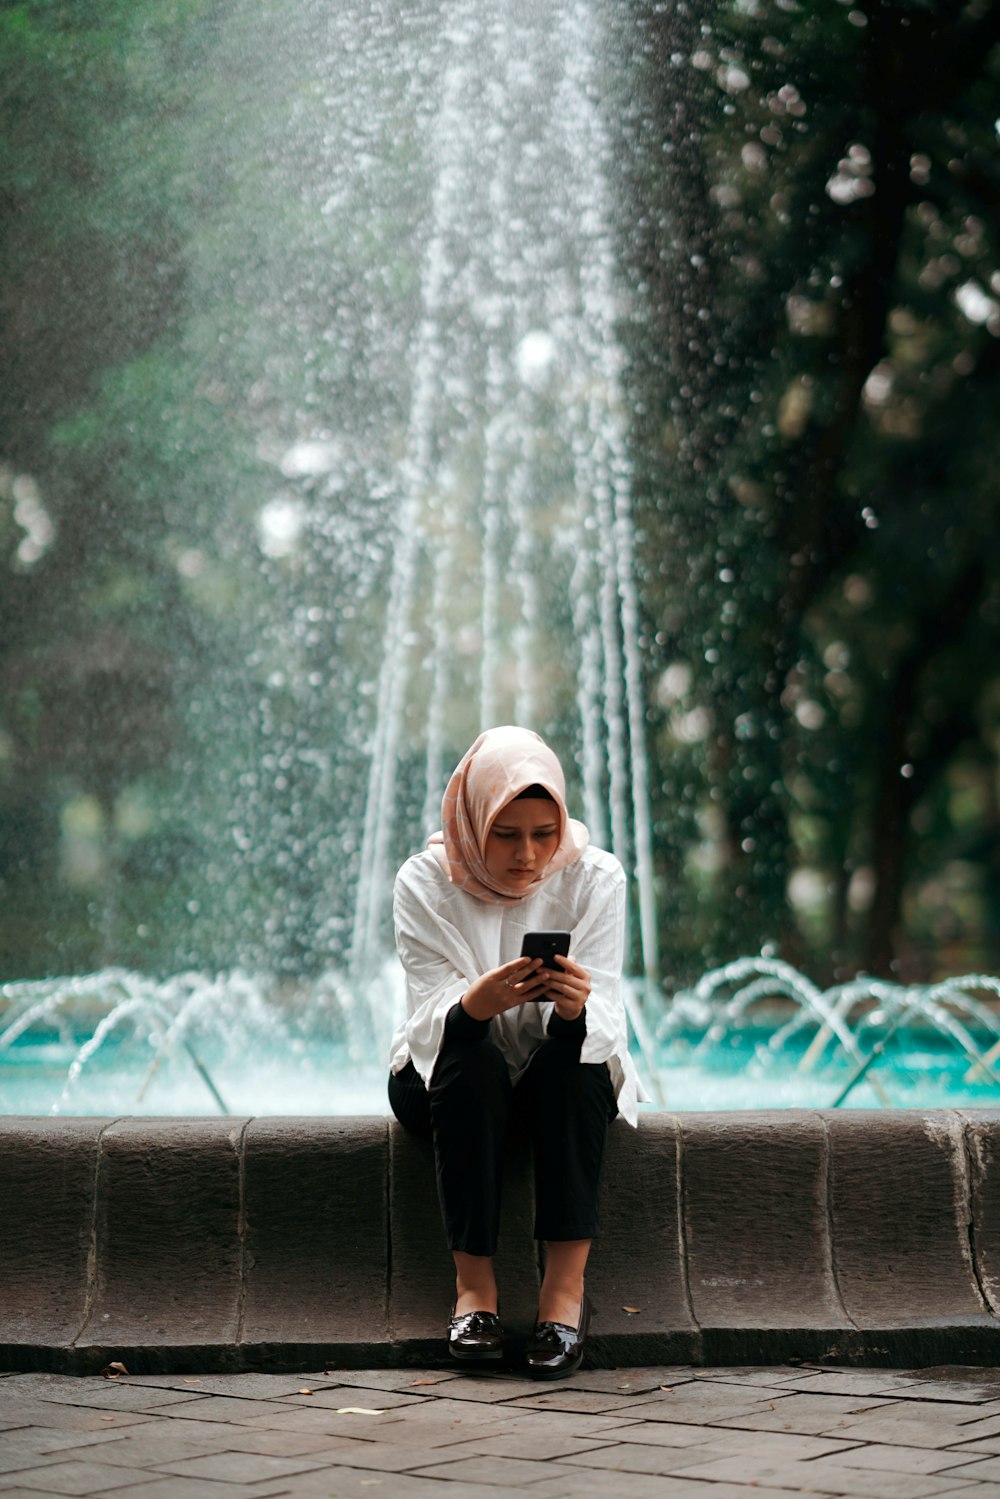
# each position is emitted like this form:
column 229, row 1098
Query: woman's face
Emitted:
column 522, row 839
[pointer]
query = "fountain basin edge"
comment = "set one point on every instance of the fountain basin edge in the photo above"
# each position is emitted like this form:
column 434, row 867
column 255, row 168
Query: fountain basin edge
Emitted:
column 204, row 1245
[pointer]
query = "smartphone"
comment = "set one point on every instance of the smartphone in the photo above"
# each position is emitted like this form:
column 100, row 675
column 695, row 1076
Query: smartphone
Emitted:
column 545, row 945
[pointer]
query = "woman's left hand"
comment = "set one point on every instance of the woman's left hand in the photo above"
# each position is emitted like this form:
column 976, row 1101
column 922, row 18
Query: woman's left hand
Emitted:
column 569, row 990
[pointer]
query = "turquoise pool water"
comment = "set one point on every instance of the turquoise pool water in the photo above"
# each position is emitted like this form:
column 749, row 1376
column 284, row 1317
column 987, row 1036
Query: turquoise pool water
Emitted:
column 755, row 1034
column 321, row 1077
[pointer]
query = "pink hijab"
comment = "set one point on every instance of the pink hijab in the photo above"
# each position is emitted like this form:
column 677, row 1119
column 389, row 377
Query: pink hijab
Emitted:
column 502, row 763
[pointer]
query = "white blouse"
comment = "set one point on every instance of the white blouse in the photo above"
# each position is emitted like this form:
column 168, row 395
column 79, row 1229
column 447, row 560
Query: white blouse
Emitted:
column 446, row 939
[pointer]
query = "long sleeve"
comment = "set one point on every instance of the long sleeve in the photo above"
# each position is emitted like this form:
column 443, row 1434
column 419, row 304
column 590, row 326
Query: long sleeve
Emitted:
column 438, row 968
column 597, row 946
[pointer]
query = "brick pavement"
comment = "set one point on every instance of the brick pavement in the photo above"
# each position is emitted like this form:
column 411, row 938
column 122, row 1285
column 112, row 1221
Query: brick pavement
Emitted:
column 660, row 1433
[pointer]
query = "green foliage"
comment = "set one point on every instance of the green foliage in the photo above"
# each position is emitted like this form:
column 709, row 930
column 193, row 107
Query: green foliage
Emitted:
column 833, row 465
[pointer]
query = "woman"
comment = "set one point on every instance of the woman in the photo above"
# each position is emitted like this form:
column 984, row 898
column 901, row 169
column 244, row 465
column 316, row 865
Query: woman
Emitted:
column 489, row 1033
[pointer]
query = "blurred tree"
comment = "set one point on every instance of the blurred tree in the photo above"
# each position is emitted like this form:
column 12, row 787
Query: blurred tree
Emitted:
column 191, row 214
column 830, row 444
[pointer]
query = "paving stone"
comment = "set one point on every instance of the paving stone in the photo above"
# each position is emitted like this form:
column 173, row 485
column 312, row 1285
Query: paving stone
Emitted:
column 986, row 1394
column 361, row 1483
column 592, row 1401
column 511, row 1472
column 851, row 1382
column 703, row 1406
column 783, row 1445
column 637, row 1457
column 240, row 1467
column 647, row 1486
column 540, row 1446
column 468, row 1413
column 379, row 1379
column 230, row 1408
column 766, row 1375
column 974, row 1431
column 76, row 1477
column 982, row 1469
column 238, row 1386
column 513, row 1420
column 109, row 1395
column 420, row 1426
column 381, row 1457
column 171, row 1487
column 22, row 1493
column 59, row 1416
column 973, row 1491
column 317, row 1421
column 896, row 1459
column 901, row 1430
column 707, row 1396
column 282, row 1443
column 341, row 1395
column 169, row 1442
column 41, row 1439
column 632, row 1381
column 878, row 1483
column 804, row 1477
column 809, row 1414
column 987, row 1445
column 492, row 1388
column 669, row 1434
column 15, row 1459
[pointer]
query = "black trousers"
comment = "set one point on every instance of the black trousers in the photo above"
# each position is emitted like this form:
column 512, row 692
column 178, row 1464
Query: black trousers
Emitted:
column 564, row 1105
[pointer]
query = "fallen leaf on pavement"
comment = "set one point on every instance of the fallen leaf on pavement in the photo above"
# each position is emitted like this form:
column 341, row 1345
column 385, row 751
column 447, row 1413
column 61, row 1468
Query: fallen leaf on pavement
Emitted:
column 114, row 1370
column 633, row 1311
column 307, row 1392
column 358, row 1410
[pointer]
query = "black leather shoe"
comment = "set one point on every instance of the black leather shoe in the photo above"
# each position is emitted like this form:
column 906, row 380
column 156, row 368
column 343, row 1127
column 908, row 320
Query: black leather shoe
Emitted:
column 556, row 1349
column 476, row 1337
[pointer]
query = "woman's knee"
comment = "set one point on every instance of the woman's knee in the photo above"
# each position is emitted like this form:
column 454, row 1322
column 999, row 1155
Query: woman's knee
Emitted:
column 470, row 1071
column 556, row 1075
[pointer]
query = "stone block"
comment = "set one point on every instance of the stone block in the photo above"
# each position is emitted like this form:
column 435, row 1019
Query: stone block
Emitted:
column 637, row 1260
column 982, row 1138
column 316, row 1214
column 423, row 1279
column 48, row 1170
column 899, row 1200
column 755, row 1215
column 168, row 1241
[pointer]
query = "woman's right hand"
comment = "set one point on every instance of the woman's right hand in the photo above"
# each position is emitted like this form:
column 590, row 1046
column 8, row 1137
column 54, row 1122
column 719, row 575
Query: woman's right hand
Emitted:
column 505, row 987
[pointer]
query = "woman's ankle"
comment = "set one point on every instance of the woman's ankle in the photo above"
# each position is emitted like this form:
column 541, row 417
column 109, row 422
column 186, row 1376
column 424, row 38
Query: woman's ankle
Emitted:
column 475, row 1283
column 560, row 1296
column 559, row 1304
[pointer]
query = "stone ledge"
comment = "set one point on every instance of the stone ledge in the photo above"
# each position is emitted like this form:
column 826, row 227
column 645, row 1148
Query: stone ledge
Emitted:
column 208, row 1244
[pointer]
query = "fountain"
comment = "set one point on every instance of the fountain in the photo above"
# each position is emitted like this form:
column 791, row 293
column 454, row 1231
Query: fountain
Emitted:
column 445, row 539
